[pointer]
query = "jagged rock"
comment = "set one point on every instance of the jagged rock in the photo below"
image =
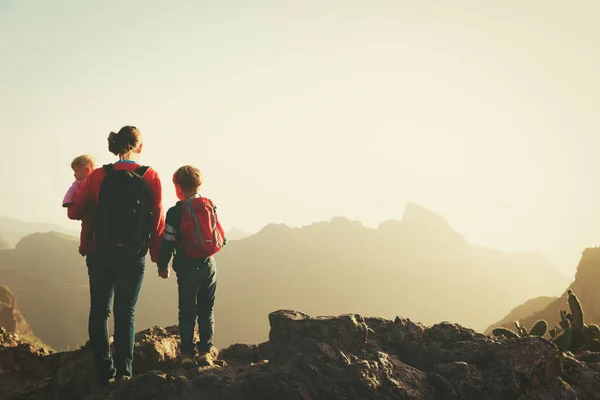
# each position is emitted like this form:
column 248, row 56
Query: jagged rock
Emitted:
column 10, row 317
column 23, row 366
column 8, row 339
column 345, row 357
column 155, row 348
column 288, row 326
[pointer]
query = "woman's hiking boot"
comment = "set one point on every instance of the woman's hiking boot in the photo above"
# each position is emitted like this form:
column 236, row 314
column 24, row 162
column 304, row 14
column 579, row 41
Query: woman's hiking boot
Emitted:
column 208, row 358
column 187, row 361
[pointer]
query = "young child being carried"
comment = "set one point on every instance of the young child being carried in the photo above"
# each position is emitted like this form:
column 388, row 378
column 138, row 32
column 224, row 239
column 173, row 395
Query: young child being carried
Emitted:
column 193, row 233
column 82, row 166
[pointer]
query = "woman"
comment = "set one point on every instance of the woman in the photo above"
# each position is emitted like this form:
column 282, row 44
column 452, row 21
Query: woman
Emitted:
column 111, row 269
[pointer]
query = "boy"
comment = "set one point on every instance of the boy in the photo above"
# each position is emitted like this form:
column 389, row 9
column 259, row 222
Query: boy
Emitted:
column 194, row 234
column 82, row 166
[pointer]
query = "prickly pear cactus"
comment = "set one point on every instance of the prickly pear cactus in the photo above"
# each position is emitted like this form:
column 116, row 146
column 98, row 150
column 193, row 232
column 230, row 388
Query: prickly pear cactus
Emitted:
column 576, row 311
column 521, row 330
column 592, row 332
column 594, row 345
column 539, row 328
column 573, row 335
column 563, row 315
column 578, row 340
column 563, row 341
column 507, row 333
column 564, row 323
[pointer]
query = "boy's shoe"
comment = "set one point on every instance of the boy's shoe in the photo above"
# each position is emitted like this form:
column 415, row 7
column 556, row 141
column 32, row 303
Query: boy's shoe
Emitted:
column 122, row 378
column 187, row 360
column 106, row 381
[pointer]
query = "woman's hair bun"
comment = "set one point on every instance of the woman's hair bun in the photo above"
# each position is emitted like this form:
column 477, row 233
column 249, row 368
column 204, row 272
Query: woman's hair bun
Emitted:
column 128, row 138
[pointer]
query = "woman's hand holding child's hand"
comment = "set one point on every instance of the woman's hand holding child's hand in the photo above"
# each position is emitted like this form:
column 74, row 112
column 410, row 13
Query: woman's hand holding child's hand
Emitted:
column 164, row 273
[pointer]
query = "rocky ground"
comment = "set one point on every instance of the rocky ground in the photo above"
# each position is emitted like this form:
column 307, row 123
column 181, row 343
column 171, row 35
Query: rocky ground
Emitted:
column 345, row 357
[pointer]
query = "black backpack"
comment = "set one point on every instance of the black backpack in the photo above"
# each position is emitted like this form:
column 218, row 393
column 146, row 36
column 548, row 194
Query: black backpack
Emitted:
column 124, row 216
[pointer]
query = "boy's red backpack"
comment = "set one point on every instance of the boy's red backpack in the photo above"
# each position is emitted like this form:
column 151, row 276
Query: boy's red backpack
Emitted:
column 200, row 231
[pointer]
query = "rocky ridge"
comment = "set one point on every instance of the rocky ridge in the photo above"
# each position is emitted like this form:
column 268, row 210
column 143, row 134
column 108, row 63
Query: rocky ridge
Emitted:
column 12, row 319
column 344, row 357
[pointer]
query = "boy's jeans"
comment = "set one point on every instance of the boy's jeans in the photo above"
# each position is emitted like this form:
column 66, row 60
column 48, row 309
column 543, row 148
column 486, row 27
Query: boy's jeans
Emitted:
column 123, row 279
column 197, row 286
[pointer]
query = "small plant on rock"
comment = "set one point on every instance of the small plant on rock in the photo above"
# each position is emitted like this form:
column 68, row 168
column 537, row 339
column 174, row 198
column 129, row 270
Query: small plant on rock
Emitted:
column 571, row 333
column 539, row 329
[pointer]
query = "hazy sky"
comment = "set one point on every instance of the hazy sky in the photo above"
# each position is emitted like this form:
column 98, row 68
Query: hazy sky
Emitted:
column 297, row 111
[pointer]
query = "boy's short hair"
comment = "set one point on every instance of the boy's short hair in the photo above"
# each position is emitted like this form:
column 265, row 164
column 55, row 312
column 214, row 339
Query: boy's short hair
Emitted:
column 84, row 160
column 188, row 177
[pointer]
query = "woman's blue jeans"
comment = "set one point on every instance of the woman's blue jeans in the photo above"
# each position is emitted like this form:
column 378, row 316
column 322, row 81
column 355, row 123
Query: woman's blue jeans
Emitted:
column 119, row 278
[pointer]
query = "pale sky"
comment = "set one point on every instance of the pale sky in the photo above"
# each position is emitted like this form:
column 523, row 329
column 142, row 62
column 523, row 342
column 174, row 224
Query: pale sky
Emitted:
column 298, row 111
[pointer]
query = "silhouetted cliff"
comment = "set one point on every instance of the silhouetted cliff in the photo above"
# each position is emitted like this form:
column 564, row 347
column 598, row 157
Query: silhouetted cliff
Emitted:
column 587, row 287
column 12, row 319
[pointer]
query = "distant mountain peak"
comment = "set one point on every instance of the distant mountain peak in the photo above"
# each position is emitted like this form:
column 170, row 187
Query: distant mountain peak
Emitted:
column 45, row 237
column 337, row 223
column 417, row 214
column 343, row 221
column 420, row 223
column 274, row 228
column 14, row 230
column 46, row 242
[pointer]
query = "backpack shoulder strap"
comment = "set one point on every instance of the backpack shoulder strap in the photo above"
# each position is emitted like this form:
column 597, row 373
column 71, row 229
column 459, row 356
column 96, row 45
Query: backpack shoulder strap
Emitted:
column 108, row 168
column 141, row 170
column 210, row 202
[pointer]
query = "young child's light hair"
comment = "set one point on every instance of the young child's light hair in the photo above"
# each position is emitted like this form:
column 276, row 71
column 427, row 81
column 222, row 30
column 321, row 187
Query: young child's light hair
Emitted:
column 84, row 160
column 188, row 177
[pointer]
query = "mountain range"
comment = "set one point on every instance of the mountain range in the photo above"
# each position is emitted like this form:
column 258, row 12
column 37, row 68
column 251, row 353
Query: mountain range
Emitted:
column 418, row 267
column 12, row 230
